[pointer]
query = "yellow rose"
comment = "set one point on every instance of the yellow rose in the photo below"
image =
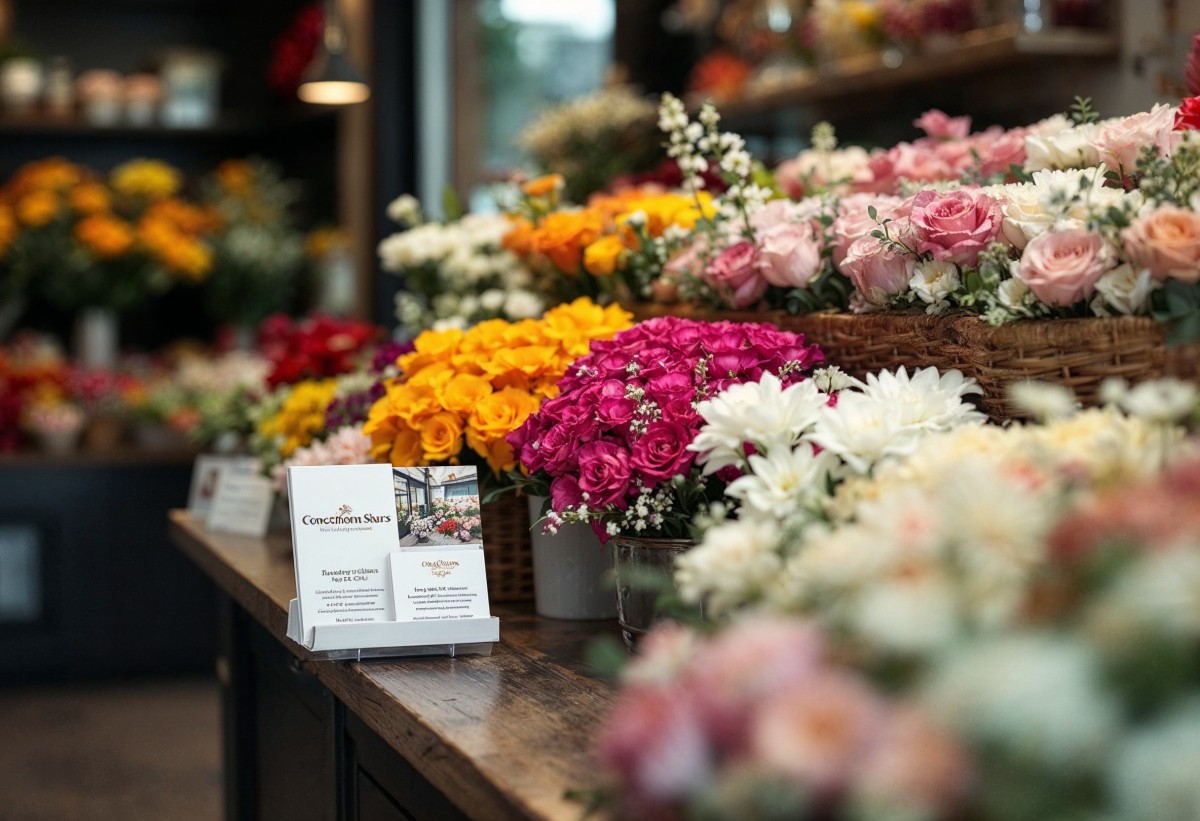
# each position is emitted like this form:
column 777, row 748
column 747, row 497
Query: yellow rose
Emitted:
column 430, row 347
column 406, row 449
column 462, row 393
column 544, row 185
column 38, row 208
column 441, row 436
column 528, row 361
column 603, row 256
column 152, row 179
column 499, row 415
column 414, row 403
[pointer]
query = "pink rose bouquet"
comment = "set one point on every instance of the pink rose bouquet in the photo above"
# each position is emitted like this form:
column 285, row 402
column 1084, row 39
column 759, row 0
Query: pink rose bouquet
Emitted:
column 612, row 448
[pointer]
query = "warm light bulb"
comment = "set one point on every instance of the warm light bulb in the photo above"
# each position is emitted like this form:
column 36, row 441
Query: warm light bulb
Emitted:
column 333, row 92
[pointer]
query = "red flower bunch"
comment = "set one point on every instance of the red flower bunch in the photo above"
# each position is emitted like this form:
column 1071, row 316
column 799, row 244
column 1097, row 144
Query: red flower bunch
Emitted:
column 313, row 348
column 720, row 74
column 10, row 418
column 448, row 527
column 295, row 49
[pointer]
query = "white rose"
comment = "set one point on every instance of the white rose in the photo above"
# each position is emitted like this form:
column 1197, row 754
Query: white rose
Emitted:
column 406, row 210
column 1071, row 148
column 1125, row 289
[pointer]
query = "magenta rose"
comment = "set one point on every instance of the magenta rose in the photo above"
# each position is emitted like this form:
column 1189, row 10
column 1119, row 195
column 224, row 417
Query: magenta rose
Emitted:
column 1167, row 241
column 604, row 473
column 956, row 226
column 735, row 275
column 790, row 254
column 940, row 126
column 565, row 493
column 661, row 453
column 1061, row 267
column 877, row 272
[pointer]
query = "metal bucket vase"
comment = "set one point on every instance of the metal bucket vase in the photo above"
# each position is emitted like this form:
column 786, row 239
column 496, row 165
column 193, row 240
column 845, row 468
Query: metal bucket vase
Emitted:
column 639, row 560
column 572, row 571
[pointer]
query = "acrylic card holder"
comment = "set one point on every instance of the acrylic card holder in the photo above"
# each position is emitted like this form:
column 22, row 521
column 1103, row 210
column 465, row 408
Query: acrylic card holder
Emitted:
column 395, row 639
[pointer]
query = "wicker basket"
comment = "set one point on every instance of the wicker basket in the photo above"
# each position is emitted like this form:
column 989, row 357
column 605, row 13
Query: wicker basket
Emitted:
column 1076, row 353
column 507, row 554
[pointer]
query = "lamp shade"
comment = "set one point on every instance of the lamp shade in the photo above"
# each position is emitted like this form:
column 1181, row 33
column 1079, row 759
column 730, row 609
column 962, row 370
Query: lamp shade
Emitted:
column 332, row 80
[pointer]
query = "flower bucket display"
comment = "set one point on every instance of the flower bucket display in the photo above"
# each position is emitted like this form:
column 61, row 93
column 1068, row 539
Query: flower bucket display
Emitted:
column 572, row 571
column 639, row 563
column 97, row 338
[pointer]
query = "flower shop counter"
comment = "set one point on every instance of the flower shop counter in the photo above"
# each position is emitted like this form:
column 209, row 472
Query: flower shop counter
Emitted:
column 503, row 736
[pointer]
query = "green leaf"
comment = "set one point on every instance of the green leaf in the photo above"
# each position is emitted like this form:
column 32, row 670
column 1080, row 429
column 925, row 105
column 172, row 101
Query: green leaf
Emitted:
column 873, row 213
column 606, row 656
column 451, row 205
column 1184, row 330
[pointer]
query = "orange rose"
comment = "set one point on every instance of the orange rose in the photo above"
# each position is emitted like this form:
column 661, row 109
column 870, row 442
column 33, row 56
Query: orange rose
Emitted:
column 544, row 185
column 441, row 436
column 1167, row 241
column 517, row 238
column 37, row 208
column 562, row 236
column 106, row 236
column 493, row 419
column 89, row 198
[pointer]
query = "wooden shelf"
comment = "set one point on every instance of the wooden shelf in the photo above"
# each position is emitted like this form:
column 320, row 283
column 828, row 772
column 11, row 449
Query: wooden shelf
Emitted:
column 975, row 52
column 229, row 124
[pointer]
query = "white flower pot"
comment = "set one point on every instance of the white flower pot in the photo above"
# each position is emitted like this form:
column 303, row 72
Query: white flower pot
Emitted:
column 572, row 572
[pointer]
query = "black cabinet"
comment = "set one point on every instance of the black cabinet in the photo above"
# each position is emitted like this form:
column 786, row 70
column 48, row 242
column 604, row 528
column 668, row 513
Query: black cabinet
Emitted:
column 293, row 751
column 90, row 586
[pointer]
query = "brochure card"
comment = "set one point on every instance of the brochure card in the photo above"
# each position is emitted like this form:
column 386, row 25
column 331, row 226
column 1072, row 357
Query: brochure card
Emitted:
column 343, row 529
column 242, row 504
column 440, row 583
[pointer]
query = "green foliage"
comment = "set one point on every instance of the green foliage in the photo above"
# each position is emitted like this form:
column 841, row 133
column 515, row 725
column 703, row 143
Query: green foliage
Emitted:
column 1178, row 306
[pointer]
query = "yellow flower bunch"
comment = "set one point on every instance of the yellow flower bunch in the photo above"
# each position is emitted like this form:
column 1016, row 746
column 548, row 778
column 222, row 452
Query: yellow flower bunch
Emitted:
column 473, row 388
column 301, row 417
column 8, row 229
column 180, row 251
column 37, row 208
column 147, row 179
column 89, row 198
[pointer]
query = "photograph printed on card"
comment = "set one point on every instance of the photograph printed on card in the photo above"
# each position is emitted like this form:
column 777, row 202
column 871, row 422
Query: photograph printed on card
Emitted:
column 438, row 506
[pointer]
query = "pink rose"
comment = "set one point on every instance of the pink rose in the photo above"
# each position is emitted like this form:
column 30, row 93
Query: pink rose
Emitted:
column 784, row 212
column 735, row 275
column 877, row 272
column 854, row 220
column 661, row 452
column 604, row 473
column 1121, row 143
column 956, row 226
column 688, row 263
column 790, row 254
column 654, row 743
column 1061, row 267
column 999, row 150
column 940, row 126
column 1167, row 241
column 916, row 764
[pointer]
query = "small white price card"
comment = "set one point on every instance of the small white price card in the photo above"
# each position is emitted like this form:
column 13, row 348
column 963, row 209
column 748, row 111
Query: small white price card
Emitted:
column 440, row 583
column 242, row 504
column 206, row 476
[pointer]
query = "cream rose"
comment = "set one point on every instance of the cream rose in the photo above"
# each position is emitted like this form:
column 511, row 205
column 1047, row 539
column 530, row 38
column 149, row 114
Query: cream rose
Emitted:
column 1061, row 267
column 1167, row 241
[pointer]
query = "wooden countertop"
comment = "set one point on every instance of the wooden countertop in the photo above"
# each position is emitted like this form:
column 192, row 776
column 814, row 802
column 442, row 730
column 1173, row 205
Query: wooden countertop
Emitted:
column 501, row 736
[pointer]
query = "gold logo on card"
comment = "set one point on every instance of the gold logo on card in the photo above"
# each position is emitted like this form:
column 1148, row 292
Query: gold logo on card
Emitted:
column 441, row 567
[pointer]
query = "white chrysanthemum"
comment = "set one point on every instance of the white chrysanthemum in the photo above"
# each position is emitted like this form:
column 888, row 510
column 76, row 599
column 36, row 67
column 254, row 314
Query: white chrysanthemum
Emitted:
column 909, row 613
column 1035, row 697
column 733, row 562
column 763, row 413
column 1043, row 400
column 864, row 430
column 522, row 304
column 784, row 482
column 1161, row 401
column 1153, row 773
column 928, row 399
column 933, row 281
column 1162, row 590
column 406, row 210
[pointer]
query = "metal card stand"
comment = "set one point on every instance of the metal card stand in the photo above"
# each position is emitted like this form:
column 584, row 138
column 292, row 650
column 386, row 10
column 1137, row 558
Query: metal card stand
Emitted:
column 395, row 639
